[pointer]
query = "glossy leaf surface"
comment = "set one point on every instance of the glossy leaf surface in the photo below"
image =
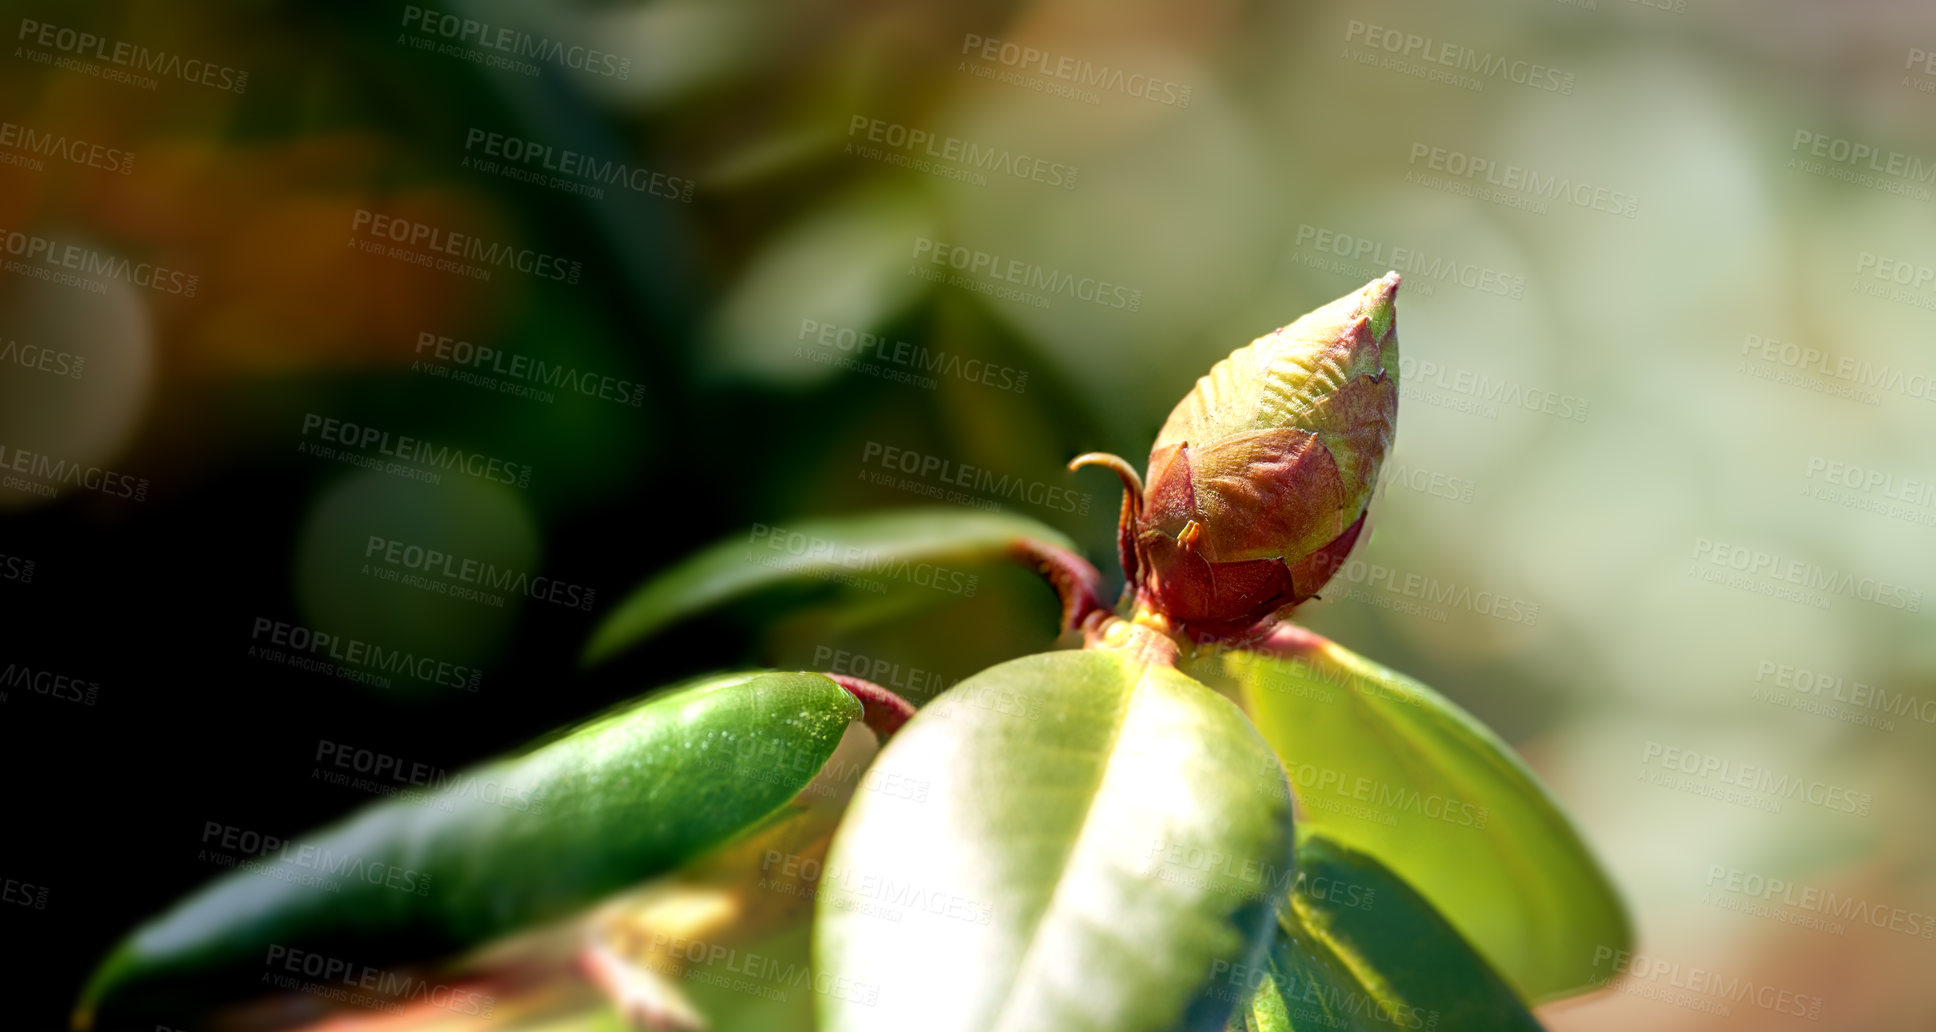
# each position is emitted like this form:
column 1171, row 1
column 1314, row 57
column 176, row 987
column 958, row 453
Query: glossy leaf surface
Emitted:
column 1358, row 950
column 914, row 547
column 630, row 795
column 1071, row 841
column 1381, row 763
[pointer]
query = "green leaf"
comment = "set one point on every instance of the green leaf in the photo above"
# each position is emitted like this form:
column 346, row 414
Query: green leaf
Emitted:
column 923, row 548
column 632, row 794
column 1381, row 763
column 1071, row 842
column 1359, row 950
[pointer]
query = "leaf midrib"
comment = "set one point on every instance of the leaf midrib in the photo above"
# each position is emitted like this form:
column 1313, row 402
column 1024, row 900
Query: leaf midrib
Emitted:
column 1027, row 955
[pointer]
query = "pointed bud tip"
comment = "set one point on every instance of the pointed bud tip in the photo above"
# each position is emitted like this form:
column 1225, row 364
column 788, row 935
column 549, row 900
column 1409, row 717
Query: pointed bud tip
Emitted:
column 1380, row 303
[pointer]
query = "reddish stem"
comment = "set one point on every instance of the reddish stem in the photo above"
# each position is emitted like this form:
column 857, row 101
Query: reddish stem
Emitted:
column 1286, row 639
column 1148, row 638
column 1132, row 512
column 1077, row 582
column 880, row 709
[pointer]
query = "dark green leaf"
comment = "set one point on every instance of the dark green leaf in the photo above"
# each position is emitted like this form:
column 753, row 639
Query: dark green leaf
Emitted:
column 1070, row 842
column 1384, row 764
column 922, row 548
column 633, row 794
column 1358, row 950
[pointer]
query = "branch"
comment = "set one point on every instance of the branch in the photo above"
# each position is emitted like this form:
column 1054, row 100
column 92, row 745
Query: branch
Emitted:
column 1077, row 582
column 881, row 710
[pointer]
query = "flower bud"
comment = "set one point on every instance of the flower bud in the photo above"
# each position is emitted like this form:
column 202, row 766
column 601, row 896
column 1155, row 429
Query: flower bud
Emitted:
column 1259, row 482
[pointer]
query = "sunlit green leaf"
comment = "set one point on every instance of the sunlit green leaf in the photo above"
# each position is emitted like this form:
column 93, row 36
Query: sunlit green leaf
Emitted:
column 748, row 906
column 1358, row 950
column 1071, row 842
column 919, row 548
column 633, row 794
column 1384, row 764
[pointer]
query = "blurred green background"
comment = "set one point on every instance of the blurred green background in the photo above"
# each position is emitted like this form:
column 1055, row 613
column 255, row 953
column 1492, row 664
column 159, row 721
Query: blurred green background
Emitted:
column 1662, row 478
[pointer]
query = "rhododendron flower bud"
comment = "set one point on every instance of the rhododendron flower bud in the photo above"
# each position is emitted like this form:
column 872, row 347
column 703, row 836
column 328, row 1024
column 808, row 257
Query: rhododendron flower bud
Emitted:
column 1259, row 482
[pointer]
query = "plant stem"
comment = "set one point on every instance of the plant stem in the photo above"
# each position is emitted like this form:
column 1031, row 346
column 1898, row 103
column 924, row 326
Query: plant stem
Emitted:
column 1288, row 640
column 1132, row 512
column 1078, row 583
column 881, row 709
column 1147, row 636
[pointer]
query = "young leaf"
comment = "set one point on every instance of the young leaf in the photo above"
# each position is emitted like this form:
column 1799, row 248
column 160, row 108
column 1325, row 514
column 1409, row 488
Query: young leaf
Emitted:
column 886, row 545
column 1072, row 842
column 1381, row 763
column 633, row 794
column 1358, row 950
